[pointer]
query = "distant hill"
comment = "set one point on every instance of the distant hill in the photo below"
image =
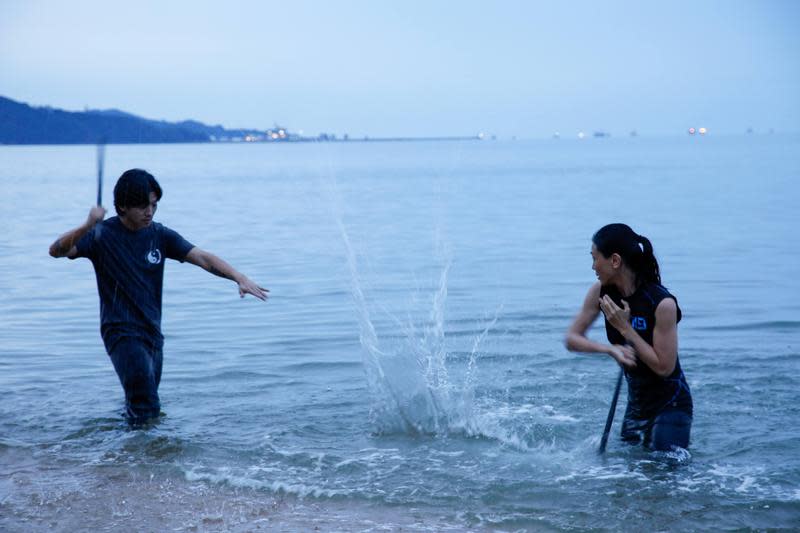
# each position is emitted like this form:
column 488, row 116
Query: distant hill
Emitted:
column 23, row 124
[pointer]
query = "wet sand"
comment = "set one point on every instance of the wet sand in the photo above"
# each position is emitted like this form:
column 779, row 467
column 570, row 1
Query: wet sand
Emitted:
column 114, row 498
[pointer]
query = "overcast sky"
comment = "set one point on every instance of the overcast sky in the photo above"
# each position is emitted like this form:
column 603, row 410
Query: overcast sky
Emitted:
column 412, row 67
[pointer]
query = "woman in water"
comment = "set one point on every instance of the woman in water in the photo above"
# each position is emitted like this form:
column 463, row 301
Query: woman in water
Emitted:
column 641, row 319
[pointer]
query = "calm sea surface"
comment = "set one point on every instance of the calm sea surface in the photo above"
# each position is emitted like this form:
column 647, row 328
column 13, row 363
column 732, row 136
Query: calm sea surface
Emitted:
column 408, row 370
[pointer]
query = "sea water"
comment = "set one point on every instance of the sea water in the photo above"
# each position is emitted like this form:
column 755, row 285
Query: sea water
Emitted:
column 408, row 370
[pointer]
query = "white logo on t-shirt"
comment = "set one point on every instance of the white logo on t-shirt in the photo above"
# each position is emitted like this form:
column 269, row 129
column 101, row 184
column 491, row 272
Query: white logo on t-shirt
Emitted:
column 154, row 256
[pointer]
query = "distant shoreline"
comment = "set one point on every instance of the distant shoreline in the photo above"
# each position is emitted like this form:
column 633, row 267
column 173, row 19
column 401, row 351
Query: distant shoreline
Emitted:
column 404, row 139
column 292, row 141
column 312, row 140
column 22, row 124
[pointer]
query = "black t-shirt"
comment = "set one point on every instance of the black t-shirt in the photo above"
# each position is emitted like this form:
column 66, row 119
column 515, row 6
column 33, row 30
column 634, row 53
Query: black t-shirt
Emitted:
column 648, row 393
column 129, row 266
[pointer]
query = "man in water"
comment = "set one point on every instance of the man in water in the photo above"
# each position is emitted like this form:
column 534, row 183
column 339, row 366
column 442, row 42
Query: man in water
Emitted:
column 128, row 253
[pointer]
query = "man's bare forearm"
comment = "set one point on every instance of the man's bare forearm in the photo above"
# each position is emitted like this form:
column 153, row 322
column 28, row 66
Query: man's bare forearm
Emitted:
column 220, row 267
column 65, row 242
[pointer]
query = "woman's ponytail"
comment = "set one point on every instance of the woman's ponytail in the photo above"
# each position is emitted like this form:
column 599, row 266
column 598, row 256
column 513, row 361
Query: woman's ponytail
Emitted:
column 648, row 265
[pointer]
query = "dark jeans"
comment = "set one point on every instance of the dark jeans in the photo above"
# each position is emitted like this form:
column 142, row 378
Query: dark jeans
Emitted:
column 138, row 365
column 668, row 429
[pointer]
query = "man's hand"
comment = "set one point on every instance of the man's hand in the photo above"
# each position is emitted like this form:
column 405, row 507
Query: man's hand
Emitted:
column 246, row 286
column 96, row 214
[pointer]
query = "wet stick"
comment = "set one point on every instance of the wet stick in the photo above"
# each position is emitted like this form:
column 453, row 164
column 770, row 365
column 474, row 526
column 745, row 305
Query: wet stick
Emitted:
column 611, row 411
column 101, row 157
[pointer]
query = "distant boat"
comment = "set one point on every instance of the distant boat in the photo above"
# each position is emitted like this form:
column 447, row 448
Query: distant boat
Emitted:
column 601, row 134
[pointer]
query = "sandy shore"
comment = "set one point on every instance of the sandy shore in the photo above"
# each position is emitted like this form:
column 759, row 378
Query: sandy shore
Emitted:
column 116, row 498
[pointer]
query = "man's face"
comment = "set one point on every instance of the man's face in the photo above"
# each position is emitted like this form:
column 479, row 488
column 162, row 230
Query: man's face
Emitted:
column 136, row 218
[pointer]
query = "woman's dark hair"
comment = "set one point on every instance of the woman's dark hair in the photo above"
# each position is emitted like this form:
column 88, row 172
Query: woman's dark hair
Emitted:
column 133, row 189
column 636, row 250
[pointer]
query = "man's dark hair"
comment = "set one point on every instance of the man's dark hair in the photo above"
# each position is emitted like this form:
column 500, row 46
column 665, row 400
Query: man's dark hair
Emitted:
column 133, row 189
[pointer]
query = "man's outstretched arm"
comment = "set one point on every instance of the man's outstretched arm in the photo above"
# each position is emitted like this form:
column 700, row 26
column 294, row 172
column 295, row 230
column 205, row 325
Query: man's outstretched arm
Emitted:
column 65, row 244
column 219, row 267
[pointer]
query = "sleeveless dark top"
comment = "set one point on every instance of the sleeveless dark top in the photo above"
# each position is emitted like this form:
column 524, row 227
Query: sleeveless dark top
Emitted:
column 649, row 393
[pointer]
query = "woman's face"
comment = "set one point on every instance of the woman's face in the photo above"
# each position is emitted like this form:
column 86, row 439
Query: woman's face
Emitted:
column 603, row 266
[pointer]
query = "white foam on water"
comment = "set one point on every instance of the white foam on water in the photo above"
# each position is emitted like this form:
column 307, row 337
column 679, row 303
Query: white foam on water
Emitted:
column 226, row 476
column 677, row 456
column 538, row 413
column 722, row 478
column 370, row 457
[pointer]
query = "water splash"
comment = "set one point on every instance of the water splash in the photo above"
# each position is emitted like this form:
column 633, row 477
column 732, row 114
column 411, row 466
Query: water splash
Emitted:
column 409, row 376
column 416, row 388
